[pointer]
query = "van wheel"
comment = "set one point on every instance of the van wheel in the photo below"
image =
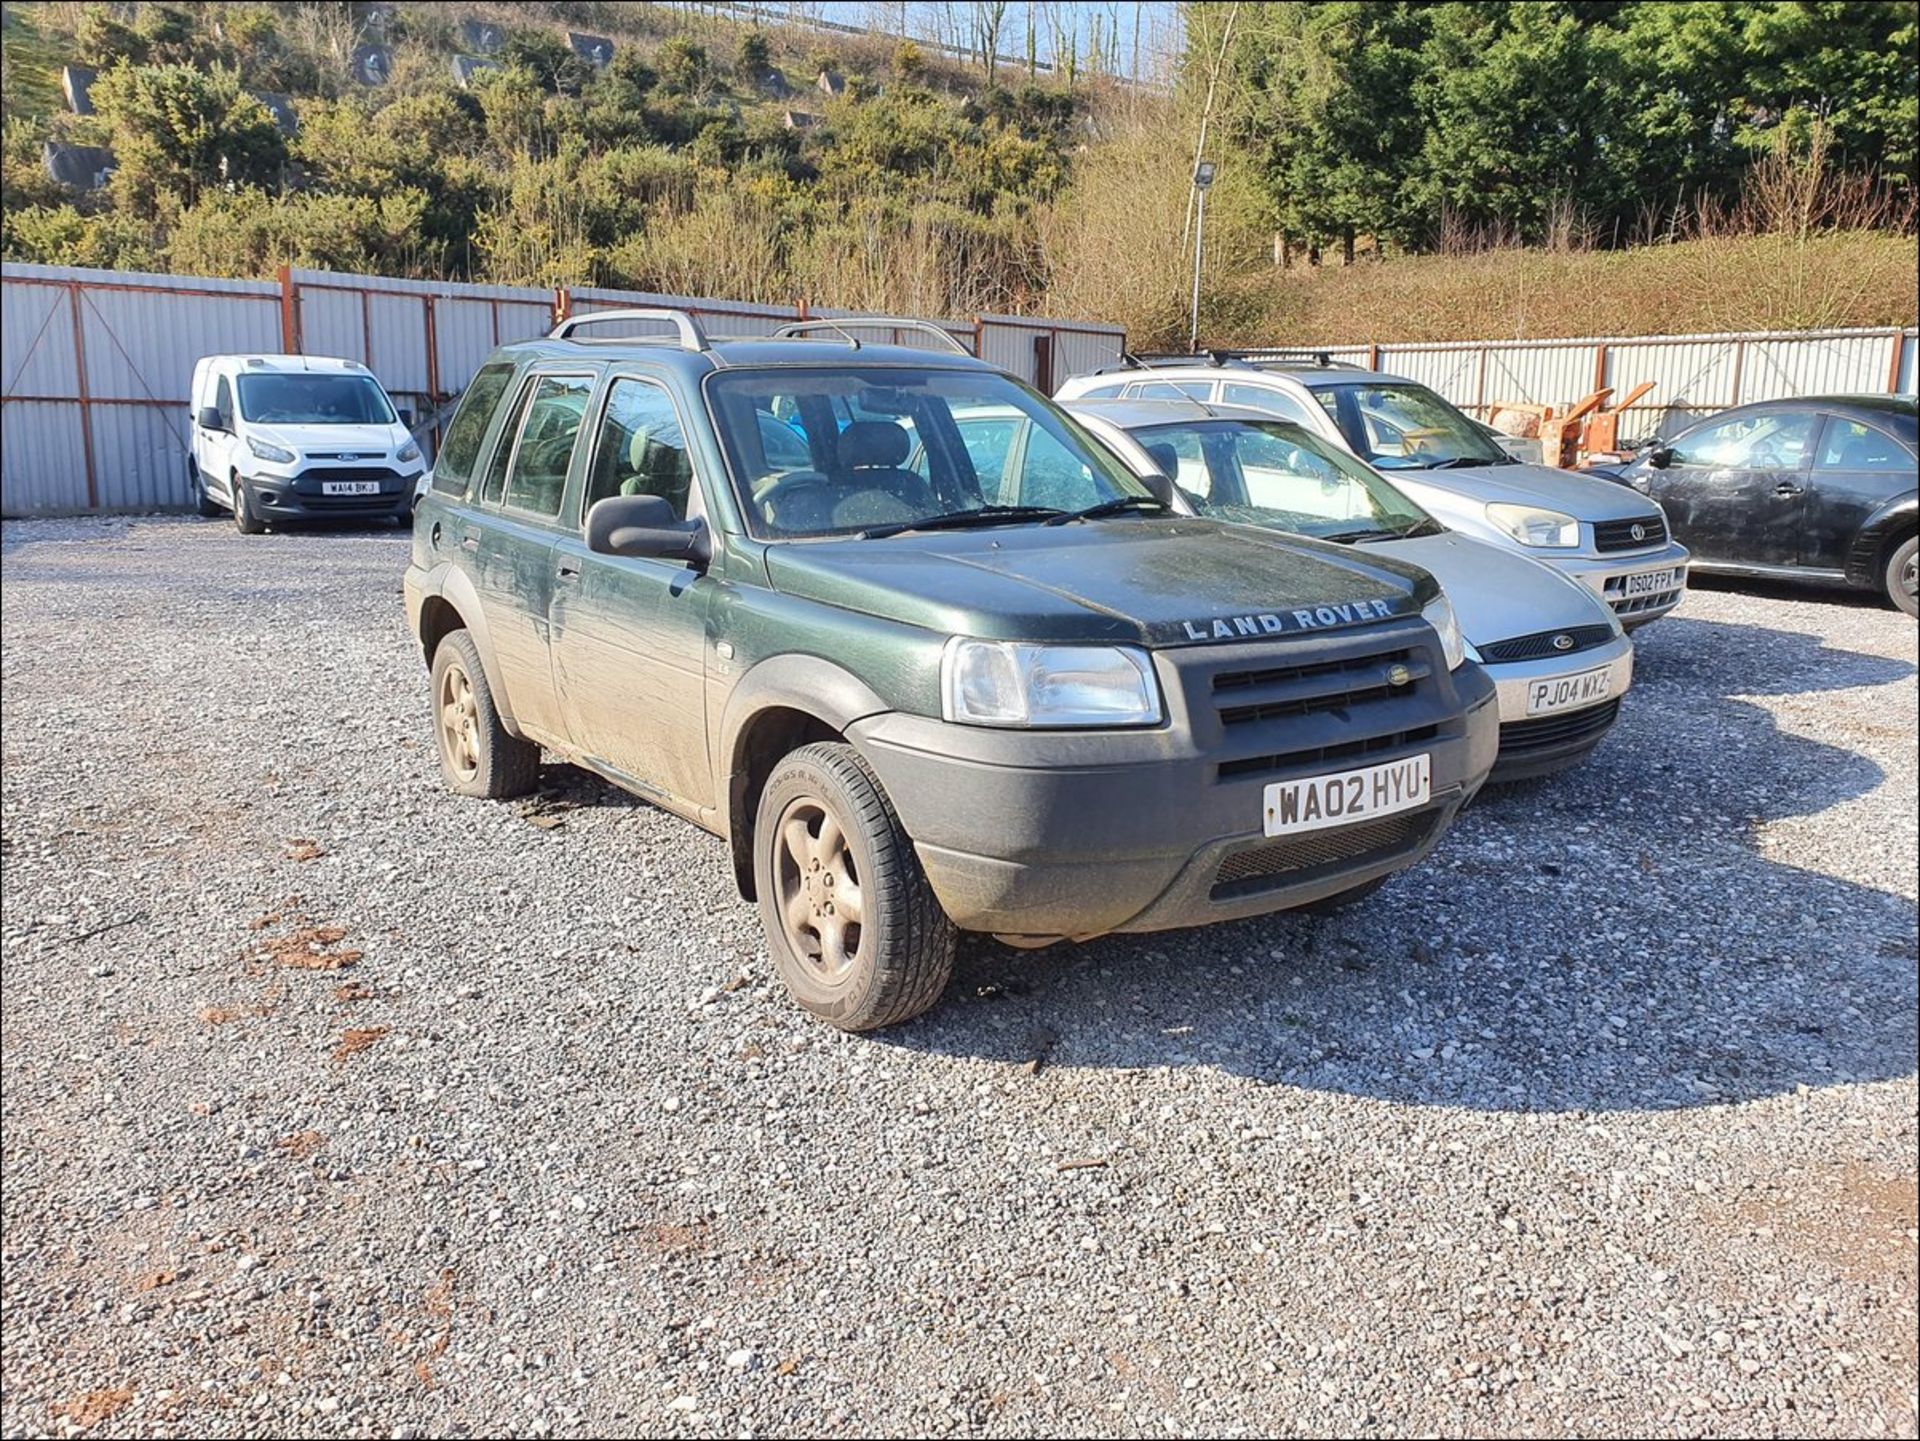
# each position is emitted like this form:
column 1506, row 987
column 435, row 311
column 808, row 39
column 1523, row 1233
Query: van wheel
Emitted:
column 478, row 755
column 244, row 520
column 852, row 924
column 206, row 504
column 1902, row 579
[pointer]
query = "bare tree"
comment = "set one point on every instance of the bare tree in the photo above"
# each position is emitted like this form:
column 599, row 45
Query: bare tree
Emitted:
column 989, row 16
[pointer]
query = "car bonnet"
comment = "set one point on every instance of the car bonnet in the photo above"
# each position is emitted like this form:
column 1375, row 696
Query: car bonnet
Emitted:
column 1498, row 593
column 1584, row 497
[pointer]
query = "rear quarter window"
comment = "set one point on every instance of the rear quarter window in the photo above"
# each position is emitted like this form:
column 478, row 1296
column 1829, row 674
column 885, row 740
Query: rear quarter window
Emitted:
column 453, row 467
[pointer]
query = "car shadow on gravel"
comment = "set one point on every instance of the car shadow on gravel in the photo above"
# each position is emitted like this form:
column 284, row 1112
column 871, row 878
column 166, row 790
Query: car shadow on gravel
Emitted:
column 1612, row 939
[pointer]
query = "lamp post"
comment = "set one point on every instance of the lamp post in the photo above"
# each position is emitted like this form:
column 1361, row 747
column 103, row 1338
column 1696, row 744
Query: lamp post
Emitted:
column 1202, row 180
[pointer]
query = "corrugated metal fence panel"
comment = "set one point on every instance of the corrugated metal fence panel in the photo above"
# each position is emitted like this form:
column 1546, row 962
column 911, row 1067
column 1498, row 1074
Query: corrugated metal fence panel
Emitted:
column 1690, row 378
column 1843, row 365
column 142, row 344
column 1909, row 361
column 399, row 330
column 140, row 457
column 1454, row 373
column 36, row 341
column 1007, row 341
column 1535, row 375
column 332, row 323
column 43, row 465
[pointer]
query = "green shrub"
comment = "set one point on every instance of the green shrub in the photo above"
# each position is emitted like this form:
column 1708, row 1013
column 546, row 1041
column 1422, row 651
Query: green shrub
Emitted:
column 754, row 57
column 685, row 68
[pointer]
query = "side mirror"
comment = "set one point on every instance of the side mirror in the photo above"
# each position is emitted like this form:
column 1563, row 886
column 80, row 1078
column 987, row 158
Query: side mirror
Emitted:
column 406, row 418
column 1660, row 457
column 1159, row 486
column 209, row 419
column 645, row 525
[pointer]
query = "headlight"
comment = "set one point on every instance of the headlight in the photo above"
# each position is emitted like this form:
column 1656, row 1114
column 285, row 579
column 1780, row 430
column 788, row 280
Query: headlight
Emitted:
column 272, row 453
column 1531, row 526
column 1439, row 614
column 409, row 451
column 1007, row 683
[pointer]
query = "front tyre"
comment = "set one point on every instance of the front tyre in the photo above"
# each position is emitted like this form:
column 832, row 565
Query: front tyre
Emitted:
column 1902, row 578
column 244, row 520
column 478, row 755
column 852, row 924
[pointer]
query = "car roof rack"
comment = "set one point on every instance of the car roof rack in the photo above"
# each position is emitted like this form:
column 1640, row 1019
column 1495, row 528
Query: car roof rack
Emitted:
column 800, row 329
column 691, row 336
column 1222, row 359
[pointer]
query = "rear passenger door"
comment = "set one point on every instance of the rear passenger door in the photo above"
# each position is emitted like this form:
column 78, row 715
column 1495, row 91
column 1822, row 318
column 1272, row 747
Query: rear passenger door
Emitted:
column 1856, row 467
column 512, row 545
column 630, row 632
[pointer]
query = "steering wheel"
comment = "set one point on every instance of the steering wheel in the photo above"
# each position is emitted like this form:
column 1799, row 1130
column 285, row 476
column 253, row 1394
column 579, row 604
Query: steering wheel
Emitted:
column 803, row 492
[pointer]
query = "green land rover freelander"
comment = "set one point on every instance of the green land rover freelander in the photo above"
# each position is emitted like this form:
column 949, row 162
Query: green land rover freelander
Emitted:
column 767, row 585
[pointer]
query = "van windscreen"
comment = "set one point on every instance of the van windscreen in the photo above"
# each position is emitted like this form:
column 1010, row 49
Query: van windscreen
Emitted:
column 307, row 399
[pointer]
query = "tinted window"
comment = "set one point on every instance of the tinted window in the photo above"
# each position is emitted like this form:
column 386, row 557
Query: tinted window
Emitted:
column 539, row 474
column 640, row 449
column 1172, row 389
column 1103, row 392
column 306, row 399
column 989, row 441
column 454, row 465
column 1849, row 445
column 1767, row 440
column 223, row 402
column 1258, row 397
column 1402, row 426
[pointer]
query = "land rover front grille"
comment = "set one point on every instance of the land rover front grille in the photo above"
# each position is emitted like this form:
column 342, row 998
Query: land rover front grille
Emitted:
column 1286, row 861
column 1530, row 735
column 1273, row 692
column 1541, row 644
column 1610, row 535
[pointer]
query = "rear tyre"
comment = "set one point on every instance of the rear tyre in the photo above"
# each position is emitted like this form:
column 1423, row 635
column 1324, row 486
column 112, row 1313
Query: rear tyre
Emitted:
column 206, row 504
column 478, row 755
column 1902, row 579
column 852, row 924
column 244, row 520
column 1340, row 900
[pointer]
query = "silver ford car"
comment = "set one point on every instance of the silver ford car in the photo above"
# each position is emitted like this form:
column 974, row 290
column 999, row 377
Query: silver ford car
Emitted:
column 1558, row 655
column 1616, row 545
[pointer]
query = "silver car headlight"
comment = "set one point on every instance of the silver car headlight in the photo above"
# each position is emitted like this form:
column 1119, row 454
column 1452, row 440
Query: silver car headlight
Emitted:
column 1453, row 645
column 1537, row 528
column 267, row 451
column 1011, row 683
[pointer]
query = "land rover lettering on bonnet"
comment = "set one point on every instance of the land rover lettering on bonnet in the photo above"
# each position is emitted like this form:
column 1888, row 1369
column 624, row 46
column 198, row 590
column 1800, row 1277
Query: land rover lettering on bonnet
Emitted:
column 916, row 688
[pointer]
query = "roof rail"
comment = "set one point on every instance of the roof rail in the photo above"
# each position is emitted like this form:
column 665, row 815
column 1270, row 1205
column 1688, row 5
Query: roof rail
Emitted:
column 1222, row 359
column 795, row 329
column 1321, row 358
column 692, row 337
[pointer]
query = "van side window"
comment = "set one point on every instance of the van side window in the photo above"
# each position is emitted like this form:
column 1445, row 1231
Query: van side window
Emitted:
column 223, row 402
column 453, row 467
column 1259, row 397
column 640, row 449
column 538, row 479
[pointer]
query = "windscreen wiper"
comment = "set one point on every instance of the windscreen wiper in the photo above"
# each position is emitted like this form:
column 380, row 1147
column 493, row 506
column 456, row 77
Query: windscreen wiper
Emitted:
column 964, row 519
column 1115, row 506
column 1349, row 537
column 1460, row 461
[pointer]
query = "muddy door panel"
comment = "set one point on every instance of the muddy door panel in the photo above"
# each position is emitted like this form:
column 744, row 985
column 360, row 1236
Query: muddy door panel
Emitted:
column 513, row 570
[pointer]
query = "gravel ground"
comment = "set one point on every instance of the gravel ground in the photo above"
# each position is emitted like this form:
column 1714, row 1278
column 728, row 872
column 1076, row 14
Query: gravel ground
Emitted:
column 336, row 1105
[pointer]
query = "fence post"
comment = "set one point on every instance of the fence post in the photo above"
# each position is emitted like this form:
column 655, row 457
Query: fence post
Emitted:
column 1739, row 364
column 433, row 372
column 1893, row 362
column 562, row 304
column 86, row 393
column 1600, row 366
column 289, row 312
column 1373, row 357
column 1043, row 363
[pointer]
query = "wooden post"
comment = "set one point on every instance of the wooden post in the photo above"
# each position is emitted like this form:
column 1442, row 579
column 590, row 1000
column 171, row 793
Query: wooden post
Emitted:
column 433, row 373
column 1600, row 367
column 1893, row 363
column 289, row 312
column 1373, row 357
column 1739, row 364
column 86, row 393
column 1043, row 363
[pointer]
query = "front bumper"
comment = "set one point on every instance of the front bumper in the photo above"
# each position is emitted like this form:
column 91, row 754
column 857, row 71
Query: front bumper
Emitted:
column 1077, row 834
column 1606, row 576
column 1533, row 746
column 304, row 497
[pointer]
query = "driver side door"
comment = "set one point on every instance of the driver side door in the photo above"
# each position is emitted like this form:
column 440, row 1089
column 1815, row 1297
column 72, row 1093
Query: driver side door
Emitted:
column 1735, row 490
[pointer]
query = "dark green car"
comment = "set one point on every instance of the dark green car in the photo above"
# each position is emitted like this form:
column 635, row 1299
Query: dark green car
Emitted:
column 917, row 687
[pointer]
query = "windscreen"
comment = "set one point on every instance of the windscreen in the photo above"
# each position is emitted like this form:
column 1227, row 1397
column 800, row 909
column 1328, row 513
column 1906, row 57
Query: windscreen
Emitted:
column 302, row 398
column 1402, row 426
column 1275, row 474
column 820, row 451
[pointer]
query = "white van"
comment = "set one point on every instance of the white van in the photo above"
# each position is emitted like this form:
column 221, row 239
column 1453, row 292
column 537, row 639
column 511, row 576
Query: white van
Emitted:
column 298, row 437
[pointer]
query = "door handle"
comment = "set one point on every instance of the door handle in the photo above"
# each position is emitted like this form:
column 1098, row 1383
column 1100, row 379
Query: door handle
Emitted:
column 1786, row 490
column 568, row 570
column 471, row 540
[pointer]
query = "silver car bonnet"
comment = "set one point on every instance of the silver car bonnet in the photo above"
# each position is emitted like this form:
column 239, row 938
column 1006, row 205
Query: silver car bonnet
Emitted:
column 1584, row 497
column 1498, row 593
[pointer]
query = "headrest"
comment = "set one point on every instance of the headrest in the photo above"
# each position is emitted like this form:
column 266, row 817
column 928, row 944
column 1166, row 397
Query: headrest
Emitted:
column 873, row 443
column 1165, row 458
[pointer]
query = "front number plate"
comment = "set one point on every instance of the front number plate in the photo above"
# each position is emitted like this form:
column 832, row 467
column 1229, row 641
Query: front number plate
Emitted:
column 1652, row 582
column 349, row 487
column 1569, row 692
column 1347, row 796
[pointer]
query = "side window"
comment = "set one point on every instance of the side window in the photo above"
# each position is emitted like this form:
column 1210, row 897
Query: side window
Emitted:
column 539, row 475
column 1749, row 442
column 1109, row 391
column 1051, row 475
column 1849, row 445
column 641, row 449
column 1179, row 455
column 453, row 467
column 1171, row 389
column 223, row 402
column 989, row 441
column 1273, row 402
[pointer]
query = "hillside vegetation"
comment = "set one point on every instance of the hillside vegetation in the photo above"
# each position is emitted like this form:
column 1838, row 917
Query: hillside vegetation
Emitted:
column 705, row 160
